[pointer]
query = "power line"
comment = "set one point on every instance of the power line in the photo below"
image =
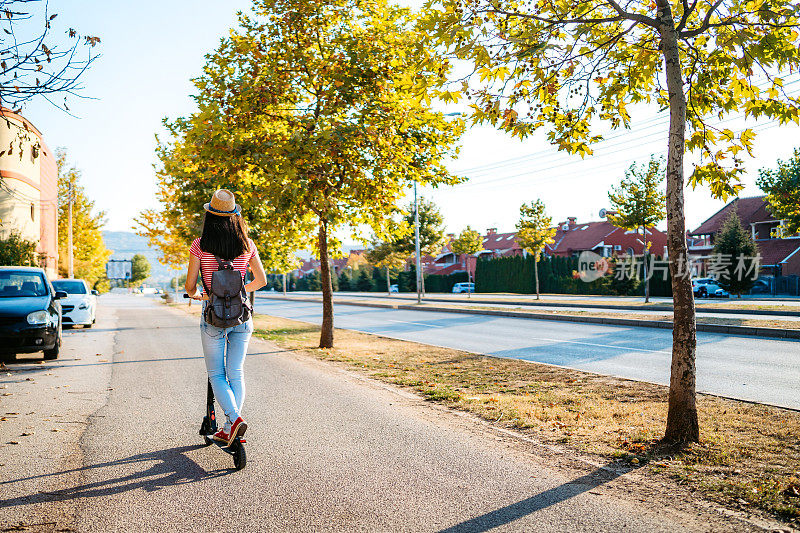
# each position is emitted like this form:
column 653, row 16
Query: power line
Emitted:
column 572, row 162
column 647, row 124
column 565, row 160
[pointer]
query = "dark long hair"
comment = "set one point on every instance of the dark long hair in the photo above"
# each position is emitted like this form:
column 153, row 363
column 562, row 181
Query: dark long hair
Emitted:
column 224, row 236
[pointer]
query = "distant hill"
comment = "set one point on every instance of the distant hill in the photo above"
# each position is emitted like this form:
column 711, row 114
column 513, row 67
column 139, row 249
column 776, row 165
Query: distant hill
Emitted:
column 126, row 244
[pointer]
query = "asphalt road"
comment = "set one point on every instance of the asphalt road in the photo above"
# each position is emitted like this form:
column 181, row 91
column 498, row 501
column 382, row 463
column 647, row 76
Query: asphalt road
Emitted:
column 754, row 300
column 748, row 368
column 527, row 303
column 327, row 450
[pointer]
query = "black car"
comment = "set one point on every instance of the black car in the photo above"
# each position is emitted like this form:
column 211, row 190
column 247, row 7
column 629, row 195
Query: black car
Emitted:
column 30, row 314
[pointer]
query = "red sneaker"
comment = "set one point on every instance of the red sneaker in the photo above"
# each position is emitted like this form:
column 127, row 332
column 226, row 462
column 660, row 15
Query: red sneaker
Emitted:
column 237, row 429
column 221, row 436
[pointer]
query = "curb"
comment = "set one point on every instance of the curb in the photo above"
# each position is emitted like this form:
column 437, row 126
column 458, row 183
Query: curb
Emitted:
column 625, row 307
column 700, row 311
column 660, row 324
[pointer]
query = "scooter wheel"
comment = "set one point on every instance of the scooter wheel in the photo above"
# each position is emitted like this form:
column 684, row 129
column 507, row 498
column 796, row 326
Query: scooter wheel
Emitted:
column 205, row 430
column 239, row 455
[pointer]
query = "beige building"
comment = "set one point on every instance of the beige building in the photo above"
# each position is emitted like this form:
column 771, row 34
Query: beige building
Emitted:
column 28, row 188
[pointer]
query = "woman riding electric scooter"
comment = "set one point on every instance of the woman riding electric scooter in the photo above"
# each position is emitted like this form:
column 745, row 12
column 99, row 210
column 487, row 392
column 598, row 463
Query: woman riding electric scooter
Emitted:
column 225, row 237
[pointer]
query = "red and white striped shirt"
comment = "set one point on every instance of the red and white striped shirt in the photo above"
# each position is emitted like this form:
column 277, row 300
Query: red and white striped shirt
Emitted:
column 208, row 265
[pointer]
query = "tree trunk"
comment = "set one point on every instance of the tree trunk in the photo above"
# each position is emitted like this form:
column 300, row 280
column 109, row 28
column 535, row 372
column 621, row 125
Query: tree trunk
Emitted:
column 284, row 284
column 682, row 426
column 388, row 283
column 536, row 273
column 326, row 333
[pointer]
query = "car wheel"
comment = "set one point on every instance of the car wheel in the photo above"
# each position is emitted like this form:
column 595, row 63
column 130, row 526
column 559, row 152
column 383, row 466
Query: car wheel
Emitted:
column 702, row 293
column 51, row 354
column 8, row 357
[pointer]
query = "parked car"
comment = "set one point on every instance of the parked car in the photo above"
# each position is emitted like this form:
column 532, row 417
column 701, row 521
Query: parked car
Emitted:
column 708, row 288
column 79, row 308
column 761, row 286
column 30, row 314
column 394, row 288
column 464, row 287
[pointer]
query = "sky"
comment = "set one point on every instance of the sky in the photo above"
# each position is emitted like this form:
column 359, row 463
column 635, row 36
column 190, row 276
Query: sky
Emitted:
column 151, row 50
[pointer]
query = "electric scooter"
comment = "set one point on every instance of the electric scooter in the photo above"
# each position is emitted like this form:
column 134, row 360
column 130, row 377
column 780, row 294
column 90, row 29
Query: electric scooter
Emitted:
column 209, row 427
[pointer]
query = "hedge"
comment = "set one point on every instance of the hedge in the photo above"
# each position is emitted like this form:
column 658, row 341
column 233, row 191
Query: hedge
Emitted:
column 516, row 274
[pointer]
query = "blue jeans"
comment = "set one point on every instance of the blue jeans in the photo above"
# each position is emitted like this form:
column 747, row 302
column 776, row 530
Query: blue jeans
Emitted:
column 224, row 350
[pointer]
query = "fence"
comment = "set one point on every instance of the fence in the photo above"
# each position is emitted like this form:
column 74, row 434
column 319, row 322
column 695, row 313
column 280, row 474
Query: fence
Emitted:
column 787, row 285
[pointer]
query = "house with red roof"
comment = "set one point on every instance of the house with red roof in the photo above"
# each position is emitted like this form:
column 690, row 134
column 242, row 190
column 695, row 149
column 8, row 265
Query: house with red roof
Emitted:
column 355, row 256
column 571, row 239
column 780, row 254
column 603, row 238
column 494, row 245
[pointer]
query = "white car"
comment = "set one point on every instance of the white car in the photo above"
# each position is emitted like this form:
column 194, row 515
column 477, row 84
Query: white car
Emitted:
column 464, row 287
column 80, row 305
column 708, row 288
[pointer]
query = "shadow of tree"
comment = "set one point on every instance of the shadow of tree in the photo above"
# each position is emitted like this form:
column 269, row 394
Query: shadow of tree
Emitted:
column 506, row 515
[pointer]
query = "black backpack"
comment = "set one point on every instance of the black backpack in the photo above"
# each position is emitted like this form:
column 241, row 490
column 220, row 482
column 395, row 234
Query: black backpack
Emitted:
column 228, row 304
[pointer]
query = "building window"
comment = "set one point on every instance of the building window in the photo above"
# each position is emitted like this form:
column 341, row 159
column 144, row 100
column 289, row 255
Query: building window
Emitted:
column 33, row 212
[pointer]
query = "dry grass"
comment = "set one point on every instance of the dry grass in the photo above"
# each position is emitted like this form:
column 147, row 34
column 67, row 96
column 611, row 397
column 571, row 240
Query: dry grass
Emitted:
column 749, row 455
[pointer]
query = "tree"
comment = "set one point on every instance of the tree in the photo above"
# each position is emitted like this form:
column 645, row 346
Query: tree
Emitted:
column 736, row 257
column 364, row 283
column 313, row 107
column 782, row 186
column 534, row 231
column 15, row 250
column 140, row 269
column 469, row 242
column 431, row 229
column 386, row 255
column 177, row 281
column 569, row 67
column 345, row 281
column 640, row 203
column 89, row 251
column 34, row 61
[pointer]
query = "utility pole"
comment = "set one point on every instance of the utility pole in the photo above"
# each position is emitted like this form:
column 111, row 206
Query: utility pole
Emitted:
column 70, row 264
column 416, row 245
column 644, row 256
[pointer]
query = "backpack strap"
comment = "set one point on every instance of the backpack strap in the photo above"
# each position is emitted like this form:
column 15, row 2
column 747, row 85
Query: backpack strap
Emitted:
column 203, row 281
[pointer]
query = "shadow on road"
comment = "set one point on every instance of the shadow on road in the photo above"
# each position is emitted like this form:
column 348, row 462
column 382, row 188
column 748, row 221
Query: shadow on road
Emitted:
column 506, row 515
column 171, row 468
column 50, row 366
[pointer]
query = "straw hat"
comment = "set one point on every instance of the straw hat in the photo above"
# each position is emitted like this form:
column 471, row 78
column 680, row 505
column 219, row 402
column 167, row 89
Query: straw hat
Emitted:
column 223, row 203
